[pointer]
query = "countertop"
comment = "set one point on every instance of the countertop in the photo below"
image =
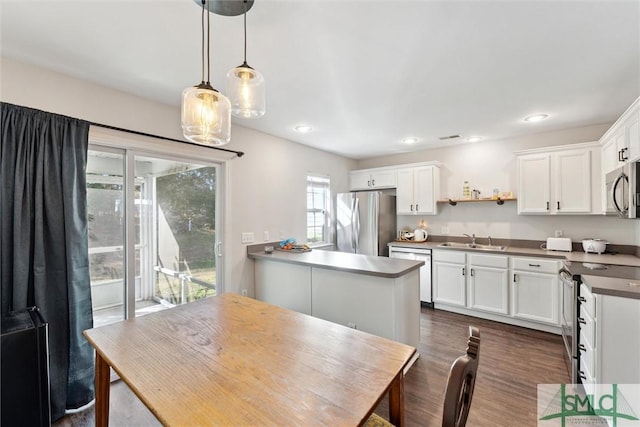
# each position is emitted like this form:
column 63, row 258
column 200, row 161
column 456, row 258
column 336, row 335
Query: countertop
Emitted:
column 352, row 263
column 577, row 256
column 624, row 288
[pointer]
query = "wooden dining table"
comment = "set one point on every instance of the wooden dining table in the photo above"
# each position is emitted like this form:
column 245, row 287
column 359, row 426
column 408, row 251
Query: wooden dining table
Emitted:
column 233, row 360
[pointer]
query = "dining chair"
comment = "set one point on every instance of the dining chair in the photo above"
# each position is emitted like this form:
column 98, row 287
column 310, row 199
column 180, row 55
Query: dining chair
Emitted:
column 459, row 390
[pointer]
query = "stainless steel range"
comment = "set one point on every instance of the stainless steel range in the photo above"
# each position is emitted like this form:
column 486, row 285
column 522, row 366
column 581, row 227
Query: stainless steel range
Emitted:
column 570, row 279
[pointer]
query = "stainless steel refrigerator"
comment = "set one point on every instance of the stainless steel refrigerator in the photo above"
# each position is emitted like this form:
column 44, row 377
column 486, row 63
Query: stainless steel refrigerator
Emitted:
column 365, row 222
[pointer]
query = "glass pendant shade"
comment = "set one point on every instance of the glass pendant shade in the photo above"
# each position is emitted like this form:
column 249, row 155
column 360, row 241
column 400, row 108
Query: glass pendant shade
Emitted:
column 206, row 117
column 245, row 87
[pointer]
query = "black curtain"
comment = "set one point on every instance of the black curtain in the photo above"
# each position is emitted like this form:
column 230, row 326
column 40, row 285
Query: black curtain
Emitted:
column 44, row 257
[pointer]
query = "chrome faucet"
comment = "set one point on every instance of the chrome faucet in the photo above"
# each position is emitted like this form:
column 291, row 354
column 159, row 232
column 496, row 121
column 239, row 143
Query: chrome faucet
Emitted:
column 473, row 239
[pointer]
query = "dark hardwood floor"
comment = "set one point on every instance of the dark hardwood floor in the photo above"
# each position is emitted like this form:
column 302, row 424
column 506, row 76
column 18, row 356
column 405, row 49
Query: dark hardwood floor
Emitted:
column 513, row 361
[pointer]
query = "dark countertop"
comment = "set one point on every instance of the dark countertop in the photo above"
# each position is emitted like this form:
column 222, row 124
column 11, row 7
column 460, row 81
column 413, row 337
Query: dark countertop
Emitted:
column 624, row 288
column 341, row 261
column 577, row 256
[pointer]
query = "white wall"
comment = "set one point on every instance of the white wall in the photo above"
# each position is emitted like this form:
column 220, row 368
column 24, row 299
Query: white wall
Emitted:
column 266, row 189
column 492, row 164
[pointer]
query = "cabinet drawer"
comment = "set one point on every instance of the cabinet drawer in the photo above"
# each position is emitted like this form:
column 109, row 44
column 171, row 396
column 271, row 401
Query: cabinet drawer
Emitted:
column 535, row 264
column 497, row 261
column 587, row 362
column 587, row 327
column 587, row 301
column 456, row 257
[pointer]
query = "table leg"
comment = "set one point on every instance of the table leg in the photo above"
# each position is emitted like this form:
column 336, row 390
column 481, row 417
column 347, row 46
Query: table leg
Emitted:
column 102, row 386
column 396, row 400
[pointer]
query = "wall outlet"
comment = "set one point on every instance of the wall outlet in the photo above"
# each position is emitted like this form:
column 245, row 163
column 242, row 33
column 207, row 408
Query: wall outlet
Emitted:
column 444, row 230
column 558, row 233
column 244, row 292
column 265, row 236
column 248, row 238
column 351, row 325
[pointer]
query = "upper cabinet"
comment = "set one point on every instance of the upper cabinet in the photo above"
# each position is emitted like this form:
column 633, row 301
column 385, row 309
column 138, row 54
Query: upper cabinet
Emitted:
column 621, row 143
column 418, row 190
column 559, row 180
column 372, row 179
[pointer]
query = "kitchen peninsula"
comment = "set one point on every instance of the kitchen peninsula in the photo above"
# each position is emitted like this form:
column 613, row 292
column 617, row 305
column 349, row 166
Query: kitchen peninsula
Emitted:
column 378, row 295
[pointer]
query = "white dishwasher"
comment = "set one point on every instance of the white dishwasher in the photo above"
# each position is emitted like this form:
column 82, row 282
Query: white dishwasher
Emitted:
column 418, row 254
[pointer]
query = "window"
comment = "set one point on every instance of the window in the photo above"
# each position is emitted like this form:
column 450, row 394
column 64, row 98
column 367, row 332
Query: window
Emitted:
column 318, row 199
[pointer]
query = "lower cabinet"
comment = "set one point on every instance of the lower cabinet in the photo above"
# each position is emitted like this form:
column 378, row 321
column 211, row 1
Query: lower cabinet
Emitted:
column 609, row 343
column 535, row 290
column 517, row 290
column 471, row 280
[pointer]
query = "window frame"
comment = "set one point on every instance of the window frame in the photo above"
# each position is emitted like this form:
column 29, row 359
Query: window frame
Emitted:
column 324, row 182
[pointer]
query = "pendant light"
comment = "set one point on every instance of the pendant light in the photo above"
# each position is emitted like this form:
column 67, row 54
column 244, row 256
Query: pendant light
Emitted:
column 206, row 116
column 245, row 86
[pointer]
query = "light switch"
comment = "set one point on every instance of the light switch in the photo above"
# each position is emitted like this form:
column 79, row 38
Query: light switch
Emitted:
column 248, row 238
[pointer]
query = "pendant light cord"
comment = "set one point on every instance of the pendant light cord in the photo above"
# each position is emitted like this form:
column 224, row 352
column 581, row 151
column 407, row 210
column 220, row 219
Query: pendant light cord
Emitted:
column 245, row 31
column 202, row 50
column 208, row 47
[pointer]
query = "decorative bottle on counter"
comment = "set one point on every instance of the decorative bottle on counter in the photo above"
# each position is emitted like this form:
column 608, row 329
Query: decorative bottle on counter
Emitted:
column 466, row 190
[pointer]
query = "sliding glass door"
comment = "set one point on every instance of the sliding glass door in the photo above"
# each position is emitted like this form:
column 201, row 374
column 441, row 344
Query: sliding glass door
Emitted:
column 153, row 232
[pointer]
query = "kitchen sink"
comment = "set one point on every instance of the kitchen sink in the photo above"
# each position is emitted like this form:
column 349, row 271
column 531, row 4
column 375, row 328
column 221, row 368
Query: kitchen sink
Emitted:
column 474, row 246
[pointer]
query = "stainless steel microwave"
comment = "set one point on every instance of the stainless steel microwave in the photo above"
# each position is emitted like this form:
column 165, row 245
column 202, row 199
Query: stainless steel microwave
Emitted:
column 623, row 185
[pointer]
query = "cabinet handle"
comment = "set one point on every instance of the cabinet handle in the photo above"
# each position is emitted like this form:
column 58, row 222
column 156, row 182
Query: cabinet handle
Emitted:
column 558, row 205
column 514, row 278
column 373, row 182
column 582, row 375
column 624, row 158
column 620, row 156
column 369, row 183
column 472, row 272
column 547, row 205
column 581, row 320
column 582, row 299
column 581, row 347
column 411, row 208
column 534, row 265
column 417, row 208
column 463, row 271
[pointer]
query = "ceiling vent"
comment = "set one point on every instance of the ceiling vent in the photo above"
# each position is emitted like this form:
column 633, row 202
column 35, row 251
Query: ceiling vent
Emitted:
column 444, row 138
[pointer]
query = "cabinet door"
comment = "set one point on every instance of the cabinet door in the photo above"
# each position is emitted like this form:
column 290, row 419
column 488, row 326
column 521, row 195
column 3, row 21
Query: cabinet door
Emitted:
column 404, row 192
column 533, row 183
column 488, row 289
column 622, row 151
column 449, row 283
column 633, row 135
column 383, row 179
column 534, row 296
column 572, row 182
column 609, row 156
column 424, row 190
column 359, row 180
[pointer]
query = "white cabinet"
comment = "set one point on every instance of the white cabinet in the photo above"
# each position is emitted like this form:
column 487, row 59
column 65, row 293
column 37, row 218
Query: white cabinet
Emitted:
column 559, row 181
column 609, row 342
column 535, row 290
column 472, row 280
column 621, row 143
column 488, row 283
column 449, row 278
column 418, row 189
column 371, row 179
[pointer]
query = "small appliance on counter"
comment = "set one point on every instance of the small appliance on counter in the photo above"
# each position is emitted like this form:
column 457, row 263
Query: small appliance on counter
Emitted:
column 594, row 246
column 558, row 244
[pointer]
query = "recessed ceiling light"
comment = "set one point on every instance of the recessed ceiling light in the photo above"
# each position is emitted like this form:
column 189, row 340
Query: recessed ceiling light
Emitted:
column 535, row 118
column 303, row 128
column 410, row 140
column 473, row 138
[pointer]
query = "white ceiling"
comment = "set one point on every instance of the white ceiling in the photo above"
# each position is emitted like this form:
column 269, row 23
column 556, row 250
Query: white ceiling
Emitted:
column 364, row 74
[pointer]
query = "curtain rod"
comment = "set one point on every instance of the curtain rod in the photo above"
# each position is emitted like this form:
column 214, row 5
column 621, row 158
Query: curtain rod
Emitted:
column 135, row 132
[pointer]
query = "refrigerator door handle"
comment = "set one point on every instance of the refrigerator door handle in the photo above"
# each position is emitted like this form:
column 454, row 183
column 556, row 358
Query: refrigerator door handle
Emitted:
column 356, row 223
